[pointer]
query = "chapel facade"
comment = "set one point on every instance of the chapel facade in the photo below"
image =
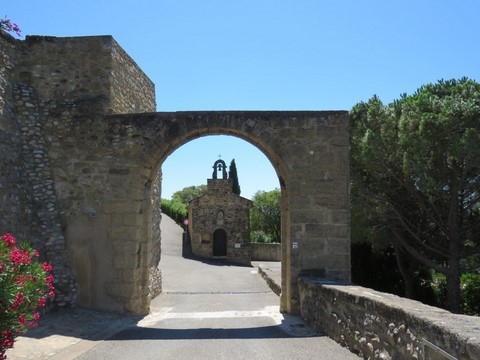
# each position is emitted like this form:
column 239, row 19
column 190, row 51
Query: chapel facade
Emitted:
column 219, row 221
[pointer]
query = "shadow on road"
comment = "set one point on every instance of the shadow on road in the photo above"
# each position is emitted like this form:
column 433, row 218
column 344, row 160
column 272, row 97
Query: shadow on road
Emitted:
column 80, row 323
column 265, row 332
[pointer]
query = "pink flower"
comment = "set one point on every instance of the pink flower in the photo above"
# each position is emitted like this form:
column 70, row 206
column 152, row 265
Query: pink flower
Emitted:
column 18, row 301
column 7, row 339
column 9, row 240
column 47, row 267
column 49, row 280
column 7, row 25
column 42, row 302
column 19, row 257
column 21, row 280
column 28, row 284
column 21, row 319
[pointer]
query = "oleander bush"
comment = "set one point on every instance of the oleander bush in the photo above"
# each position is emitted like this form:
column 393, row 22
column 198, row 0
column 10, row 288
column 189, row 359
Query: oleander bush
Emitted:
column 25, row 286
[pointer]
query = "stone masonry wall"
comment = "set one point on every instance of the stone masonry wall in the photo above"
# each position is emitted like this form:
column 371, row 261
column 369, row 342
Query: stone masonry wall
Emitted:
column 91, row 71
column 13, row 195
column 47, row 234
column 7, row 63
column 155, row 275
column 28, row 208
column 45, row 83
column 266, row 252
column 131, row 90
column 377, row 325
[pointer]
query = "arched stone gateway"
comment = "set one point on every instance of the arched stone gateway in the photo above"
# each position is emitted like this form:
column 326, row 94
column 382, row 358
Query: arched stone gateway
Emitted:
column 114, row 176
column 84, row 151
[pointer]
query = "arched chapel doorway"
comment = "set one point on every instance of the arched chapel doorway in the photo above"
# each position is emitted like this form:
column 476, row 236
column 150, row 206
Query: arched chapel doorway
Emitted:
column 219, row 243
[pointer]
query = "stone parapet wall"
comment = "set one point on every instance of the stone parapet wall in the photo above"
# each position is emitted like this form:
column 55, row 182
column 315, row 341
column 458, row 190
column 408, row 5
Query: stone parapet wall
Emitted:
column 378, row 325
column 266, row 252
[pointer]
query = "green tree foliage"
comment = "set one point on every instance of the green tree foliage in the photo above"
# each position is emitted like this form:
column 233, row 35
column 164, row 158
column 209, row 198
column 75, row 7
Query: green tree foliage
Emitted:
column 265, row 216
column 469, row 288
column 232, row 174
column 416, row 163
column 175, row 209
column 189, row 193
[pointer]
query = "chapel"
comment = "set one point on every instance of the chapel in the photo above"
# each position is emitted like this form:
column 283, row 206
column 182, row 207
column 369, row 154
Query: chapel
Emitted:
column 219, row 221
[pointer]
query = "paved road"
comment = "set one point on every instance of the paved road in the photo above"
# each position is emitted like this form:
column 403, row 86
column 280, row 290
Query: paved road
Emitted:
column 214, row 310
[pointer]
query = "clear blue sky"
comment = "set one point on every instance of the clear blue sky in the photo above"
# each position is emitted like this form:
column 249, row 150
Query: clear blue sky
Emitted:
column 269, row 55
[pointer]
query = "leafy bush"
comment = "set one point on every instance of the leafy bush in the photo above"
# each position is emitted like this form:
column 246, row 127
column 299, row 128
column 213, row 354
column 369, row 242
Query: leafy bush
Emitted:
column 470, row 292
column 259, row 236
column 175, row 209
column 470, row 288
column 265, row 215
column 439, row 286
column 25, row 285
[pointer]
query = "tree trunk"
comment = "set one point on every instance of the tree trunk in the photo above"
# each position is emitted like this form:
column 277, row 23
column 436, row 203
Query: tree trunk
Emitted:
column 405, row 267
column 453, row 286
column 453, row 272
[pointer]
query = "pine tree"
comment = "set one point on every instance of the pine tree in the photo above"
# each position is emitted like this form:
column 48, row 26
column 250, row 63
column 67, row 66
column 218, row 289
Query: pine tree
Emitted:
column 232, row 174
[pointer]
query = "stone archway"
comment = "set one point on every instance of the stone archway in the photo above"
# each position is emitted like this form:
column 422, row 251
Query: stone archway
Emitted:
column 309, row 151
column 90, row 182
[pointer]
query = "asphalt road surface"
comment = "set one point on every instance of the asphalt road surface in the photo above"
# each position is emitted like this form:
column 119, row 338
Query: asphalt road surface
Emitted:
column 213, row 310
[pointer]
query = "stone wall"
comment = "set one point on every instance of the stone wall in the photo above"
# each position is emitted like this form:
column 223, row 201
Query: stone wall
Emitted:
column 12, row 192
column 91, row 71
column 131, row 90
column 46, row 229
column 378, row 325
column 155, row 274
column 45, row 83
column 7, row 63
column 266, row 252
